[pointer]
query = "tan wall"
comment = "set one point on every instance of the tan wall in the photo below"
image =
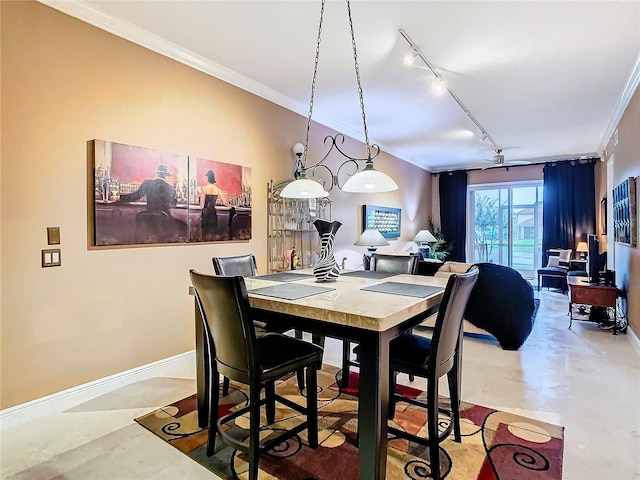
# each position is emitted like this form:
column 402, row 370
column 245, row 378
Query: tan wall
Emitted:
column 627, row 164
column 64, row 83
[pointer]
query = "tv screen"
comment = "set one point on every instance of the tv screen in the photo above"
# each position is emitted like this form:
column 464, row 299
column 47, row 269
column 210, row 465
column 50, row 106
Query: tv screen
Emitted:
column 593, row 266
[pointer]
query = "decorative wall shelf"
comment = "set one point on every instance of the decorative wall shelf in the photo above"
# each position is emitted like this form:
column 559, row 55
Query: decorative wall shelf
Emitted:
column 290, row 224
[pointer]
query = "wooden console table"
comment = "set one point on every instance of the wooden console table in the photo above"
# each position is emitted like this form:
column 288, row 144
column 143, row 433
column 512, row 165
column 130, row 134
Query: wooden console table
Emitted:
column 593, row 295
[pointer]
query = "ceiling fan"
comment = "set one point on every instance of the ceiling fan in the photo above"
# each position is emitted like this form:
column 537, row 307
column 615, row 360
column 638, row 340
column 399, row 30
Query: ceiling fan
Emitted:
column 499, row 161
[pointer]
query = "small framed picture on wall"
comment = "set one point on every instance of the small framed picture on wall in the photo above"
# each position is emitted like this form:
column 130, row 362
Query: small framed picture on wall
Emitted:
column 387, row 220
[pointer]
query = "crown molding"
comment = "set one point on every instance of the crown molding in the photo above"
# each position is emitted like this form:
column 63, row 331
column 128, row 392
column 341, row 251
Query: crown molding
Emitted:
column 623, row 102
column 98, row 18
column 104, row 21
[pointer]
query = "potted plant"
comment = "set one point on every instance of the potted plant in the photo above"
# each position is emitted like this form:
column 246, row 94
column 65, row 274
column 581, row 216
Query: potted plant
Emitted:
column 440, row 249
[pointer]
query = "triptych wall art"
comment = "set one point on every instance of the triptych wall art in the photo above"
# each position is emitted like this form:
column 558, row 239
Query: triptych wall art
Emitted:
column 625, row 224
column 145, row 196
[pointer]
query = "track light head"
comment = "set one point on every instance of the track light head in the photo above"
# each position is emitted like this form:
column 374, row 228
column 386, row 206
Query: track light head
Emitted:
column 439, row 85
column 410, row 57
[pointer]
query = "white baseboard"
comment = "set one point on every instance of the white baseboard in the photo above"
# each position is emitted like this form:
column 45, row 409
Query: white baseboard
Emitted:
column 634, row 339
column 58, row 402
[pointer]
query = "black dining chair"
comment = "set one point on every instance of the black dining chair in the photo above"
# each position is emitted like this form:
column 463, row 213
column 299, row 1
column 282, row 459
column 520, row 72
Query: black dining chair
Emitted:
column 241, row 265
column 245, row 266
column 395, row 263
column 398, row 264
column 431, row 359
column 237, row 353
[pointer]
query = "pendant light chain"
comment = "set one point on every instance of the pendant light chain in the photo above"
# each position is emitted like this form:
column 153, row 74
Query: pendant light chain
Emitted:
column 357, row 68
column 313, row 84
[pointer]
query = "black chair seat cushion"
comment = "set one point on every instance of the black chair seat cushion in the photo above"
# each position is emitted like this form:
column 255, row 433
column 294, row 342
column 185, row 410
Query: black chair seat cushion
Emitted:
column 408, row 353
column 556, row 271
column 279, row 354
column 502, row 303
column 553, row 277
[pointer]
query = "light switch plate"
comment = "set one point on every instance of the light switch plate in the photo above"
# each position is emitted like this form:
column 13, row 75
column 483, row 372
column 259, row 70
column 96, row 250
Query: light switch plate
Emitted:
column 51, row 257
column 53, row 235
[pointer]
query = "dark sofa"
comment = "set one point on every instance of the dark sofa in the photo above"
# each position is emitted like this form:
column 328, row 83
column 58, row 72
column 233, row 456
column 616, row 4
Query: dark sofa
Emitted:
column 502, row 303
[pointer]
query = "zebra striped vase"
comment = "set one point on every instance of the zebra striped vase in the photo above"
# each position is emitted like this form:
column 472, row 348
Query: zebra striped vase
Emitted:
column 326, row 270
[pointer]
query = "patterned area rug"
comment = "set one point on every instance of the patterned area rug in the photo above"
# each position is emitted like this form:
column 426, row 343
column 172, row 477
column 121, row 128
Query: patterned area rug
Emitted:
column 495, row 445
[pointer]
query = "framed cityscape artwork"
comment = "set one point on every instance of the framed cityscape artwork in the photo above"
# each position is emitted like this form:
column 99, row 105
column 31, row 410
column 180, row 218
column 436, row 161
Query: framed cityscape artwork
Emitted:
column 146, row 196
column 385, row 219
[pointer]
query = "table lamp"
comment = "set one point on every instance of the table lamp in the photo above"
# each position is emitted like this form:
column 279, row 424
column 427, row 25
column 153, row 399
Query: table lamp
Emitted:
column 371, row 239
column 582, row 250
column 425, row 237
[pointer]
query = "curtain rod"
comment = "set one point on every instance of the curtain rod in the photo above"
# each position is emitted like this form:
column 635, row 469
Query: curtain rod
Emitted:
column 551, row 163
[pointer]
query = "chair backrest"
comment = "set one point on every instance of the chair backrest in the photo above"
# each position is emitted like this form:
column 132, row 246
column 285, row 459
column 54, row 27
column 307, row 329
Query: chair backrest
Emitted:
column 224, row 306
column 446, row 332
column 562, row 257
column 394, row 263
column 241, row 265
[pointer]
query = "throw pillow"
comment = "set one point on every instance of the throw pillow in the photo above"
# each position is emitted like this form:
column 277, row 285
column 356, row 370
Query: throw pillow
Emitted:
column 554, row 261
column 565, row 255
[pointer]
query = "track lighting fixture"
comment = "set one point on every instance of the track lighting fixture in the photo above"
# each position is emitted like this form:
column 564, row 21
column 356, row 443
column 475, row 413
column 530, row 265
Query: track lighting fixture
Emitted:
column 439, row 86
column 410, row 57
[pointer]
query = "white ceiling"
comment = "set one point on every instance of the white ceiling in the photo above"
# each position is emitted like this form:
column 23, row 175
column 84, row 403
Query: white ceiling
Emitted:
column 546, row 79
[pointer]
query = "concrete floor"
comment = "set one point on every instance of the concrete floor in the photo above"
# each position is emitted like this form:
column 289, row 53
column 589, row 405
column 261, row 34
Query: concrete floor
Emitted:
column 584, row 378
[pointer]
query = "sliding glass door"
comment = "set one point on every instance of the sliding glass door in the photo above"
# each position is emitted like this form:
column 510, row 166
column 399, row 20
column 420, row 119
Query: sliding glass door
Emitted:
column 504, row 225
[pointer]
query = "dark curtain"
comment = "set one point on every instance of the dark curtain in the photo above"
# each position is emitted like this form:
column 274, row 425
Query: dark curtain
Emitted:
column 453, row 212
column 569, row 211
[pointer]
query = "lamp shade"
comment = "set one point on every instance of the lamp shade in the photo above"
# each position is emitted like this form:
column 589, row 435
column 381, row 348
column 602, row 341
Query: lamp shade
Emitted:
column 371, row 238
column 424, row 236
column 302, row 188
column 369, row 180
column 582, row 247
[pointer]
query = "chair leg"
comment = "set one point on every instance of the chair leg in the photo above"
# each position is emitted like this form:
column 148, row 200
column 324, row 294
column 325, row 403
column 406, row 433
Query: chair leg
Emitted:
column 225, row 386
column 270, row 393
column 213, row 411
column 315, row 339
column 254, row 431
column 432, row 429
column 312, row 406
column 452, row 378
column 300, row 373
column 346, row 357
column 318, row 340
column 392, row 393
column 300, row 377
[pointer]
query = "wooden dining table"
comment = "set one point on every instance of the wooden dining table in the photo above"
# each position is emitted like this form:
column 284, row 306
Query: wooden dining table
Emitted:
column 345, row 310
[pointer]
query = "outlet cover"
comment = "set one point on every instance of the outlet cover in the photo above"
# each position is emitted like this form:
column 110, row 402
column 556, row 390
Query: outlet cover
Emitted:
column 53, row 235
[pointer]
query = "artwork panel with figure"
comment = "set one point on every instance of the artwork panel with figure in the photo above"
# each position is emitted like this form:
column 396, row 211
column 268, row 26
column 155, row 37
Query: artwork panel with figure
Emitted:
column 146, row 196
column 223, row 201
column 137, row 192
